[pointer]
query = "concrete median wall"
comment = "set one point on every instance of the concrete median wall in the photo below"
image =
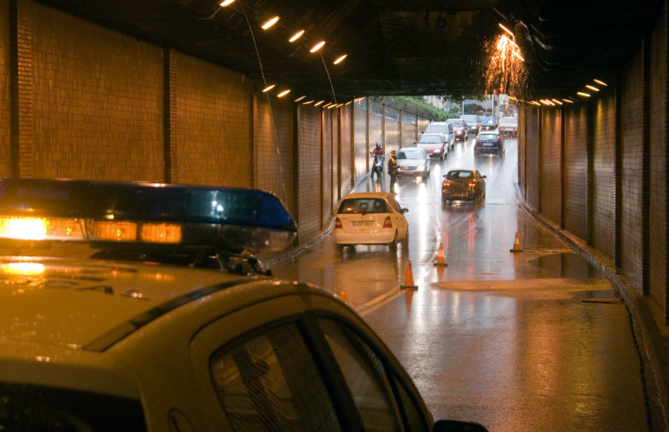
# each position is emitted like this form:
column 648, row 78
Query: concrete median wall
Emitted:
column 598, row 168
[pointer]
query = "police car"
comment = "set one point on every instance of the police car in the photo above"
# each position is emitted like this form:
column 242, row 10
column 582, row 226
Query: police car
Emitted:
column 173, row 325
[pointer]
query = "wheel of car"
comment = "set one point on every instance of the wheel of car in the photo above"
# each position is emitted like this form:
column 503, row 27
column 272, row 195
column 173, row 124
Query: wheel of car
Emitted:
column 393, row 244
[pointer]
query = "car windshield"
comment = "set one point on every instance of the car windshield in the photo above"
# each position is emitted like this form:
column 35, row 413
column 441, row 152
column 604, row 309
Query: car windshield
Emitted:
column 458, row 123
column 470, row 119
column 488, row 119
column 442, row 128
column 457, row 175
column 488, row 137
column 410, row 154
column 363, row 205
column 429, row 139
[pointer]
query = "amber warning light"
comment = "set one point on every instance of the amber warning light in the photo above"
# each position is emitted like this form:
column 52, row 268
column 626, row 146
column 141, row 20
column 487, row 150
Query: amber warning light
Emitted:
column 105, row 214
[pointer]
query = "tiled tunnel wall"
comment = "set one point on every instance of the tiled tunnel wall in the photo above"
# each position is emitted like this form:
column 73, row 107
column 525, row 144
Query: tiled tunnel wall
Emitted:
column 612, row 166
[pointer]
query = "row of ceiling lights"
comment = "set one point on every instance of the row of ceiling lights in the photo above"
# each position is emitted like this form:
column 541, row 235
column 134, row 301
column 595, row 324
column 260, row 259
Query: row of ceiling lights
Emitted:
column 571, row 100
column 267, row 25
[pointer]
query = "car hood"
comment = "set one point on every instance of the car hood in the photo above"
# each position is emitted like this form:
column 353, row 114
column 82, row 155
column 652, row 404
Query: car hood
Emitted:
column 411, row 162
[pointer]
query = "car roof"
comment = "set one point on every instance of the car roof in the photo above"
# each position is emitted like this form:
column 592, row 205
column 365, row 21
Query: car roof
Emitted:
column 430, row 133
column 93, row 304
column 369, row 194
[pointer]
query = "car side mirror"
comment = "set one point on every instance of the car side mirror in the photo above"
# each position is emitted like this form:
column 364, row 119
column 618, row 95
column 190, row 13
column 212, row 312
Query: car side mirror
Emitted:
column 484, row 177
column 404, row 210
column 457, row 426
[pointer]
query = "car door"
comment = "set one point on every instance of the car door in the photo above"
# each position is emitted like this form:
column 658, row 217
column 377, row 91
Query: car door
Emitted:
column 274, row 366
column 399, row 219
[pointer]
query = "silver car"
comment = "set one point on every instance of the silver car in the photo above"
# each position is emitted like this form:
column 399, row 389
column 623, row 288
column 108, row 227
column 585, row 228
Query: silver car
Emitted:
column 413, row 162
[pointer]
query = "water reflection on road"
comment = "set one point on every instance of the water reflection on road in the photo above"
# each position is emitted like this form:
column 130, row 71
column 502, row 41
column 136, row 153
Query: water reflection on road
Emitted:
column 530, row 341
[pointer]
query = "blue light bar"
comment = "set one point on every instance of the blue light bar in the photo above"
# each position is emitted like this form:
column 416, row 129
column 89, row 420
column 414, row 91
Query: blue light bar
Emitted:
column 231, row 218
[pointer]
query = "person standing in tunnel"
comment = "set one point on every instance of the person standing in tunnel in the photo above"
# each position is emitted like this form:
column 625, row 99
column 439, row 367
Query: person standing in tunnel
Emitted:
column 392, row 169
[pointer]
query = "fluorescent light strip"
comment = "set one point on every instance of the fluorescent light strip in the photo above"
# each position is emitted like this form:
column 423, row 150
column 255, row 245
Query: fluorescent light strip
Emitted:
column 283, row 93
column 340, row 59
column 506, row 29
column 269, row 88
column 296, row 36
column 583, row 94
column 317, row 47
column 600, row 82
column 270, row 23
column 299, row 98
column 592, row 87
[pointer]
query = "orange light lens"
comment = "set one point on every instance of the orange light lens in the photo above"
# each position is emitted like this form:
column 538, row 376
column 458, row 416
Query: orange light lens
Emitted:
column 115, row 231
column 161, row 233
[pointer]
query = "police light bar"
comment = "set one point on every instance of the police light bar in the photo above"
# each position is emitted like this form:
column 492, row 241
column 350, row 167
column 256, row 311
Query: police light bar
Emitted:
column 108, row 214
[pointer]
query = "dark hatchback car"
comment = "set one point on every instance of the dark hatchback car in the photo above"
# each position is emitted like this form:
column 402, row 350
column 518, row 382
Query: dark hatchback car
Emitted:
column 488, row 123
column 463, row 185
column 489, row 142
column 472, row 121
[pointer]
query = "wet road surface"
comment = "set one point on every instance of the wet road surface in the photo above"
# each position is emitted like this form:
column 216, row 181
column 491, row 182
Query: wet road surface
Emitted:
column 532, row 341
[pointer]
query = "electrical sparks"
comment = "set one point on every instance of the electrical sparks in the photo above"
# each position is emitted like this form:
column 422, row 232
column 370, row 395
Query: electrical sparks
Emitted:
column 505, row 71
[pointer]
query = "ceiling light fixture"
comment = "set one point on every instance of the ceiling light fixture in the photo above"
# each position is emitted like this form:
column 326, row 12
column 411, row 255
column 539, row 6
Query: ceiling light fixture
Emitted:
column 283, row 93
column 340, row 59
column 568, row 101
column 270, row 23
column 348, row 103
column 545, row 102
column 269, row 88
column 557, row 101
column 318, row 46
column 601, row 83
column 327, row 104
column 583, row 94
column 299, row 98
column 318, row 103
column 506, row 29
column 296, row 36
column 592, row 87
column 308, row 102
column 227, row 3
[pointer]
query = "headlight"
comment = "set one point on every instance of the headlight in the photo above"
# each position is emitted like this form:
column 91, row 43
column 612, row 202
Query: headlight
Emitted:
column 437, row 151
column 421, row 168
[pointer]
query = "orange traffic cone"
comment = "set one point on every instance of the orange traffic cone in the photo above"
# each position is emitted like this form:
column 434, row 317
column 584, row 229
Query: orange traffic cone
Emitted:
column 408, row 279
column 516, row 245
column 343, row 296
column 440, row 257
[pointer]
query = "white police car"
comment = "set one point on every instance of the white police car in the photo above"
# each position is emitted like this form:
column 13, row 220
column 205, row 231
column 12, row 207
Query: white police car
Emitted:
column 165, row 330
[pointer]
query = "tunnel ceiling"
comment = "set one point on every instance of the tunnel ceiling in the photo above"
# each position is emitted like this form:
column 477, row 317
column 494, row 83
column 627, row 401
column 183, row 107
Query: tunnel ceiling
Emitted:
column 394, row 47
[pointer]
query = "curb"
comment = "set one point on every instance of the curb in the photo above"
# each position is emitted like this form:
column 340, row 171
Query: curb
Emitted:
column 646, row 332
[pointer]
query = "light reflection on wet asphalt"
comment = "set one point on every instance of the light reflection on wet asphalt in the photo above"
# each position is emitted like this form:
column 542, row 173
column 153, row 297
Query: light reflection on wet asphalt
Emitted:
column 536, row 341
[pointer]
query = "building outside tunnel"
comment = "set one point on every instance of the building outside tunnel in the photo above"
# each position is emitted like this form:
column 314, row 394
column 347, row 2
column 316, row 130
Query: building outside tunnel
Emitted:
column 85, row 100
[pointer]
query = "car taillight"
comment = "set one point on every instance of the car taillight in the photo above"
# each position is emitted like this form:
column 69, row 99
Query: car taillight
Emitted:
column 472, row 184
column 338, row 224
column 387, row 223
column 447, row 183
column 497, row 136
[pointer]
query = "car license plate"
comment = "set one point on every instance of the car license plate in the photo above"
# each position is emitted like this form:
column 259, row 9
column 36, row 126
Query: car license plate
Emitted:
column 487, row 144
column 362, row 223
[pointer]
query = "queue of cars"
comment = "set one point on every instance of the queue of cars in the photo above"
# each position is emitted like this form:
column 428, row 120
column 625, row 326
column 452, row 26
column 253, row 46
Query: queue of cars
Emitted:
column 173, row 325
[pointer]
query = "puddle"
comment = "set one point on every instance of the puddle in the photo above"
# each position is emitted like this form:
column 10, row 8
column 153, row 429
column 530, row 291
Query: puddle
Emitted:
column 566, row 265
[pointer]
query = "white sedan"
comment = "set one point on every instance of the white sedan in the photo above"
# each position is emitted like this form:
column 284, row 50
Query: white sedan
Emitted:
column 370, row 218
